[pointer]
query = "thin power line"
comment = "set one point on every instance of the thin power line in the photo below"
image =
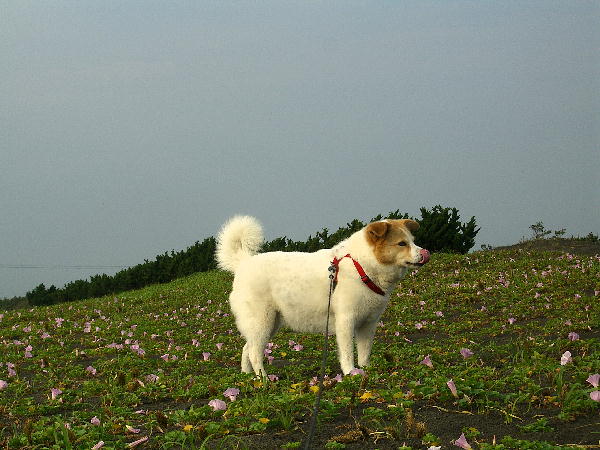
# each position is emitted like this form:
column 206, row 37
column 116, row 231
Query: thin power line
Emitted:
column 58, row 266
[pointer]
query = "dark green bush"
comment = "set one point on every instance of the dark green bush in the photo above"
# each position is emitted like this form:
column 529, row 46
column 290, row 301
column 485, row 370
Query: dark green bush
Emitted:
column 441, row 231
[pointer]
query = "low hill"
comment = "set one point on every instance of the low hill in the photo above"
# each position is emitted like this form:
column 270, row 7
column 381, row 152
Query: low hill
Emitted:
column 576, row 246
column 501, row 346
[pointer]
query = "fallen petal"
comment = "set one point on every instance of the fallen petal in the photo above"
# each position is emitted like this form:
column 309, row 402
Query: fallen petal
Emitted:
column 427, row 362
column 217, row 405
column 566, row 358
column 594, row 380
column 138, row 442
column 452, row 387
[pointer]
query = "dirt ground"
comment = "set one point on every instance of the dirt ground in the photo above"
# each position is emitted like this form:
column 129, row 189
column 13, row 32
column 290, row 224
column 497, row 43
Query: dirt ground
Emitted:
column 446, row 424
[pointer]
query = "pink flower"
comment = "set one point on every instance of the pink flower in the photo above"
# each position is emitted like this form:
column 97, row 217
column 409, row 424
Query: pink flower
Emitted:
column 151, row 378
column 219, row 345
column 98, row 446
column 595, row 395
column 356, row 371
column 594, row 380
column 165, row 357
column 206, row 356
column 54, row 392
column 273, row 378
column 462, row 442
column 95, row 421
column 231, row 393
column 217, row 405
column 512, row 320
column 452, row 388
column 566, row 358
column 573, row 336
column 298, row 347
column 130, row 429
column 3, row 384
column 427, row 361
column 466, row 353
column 90, row 370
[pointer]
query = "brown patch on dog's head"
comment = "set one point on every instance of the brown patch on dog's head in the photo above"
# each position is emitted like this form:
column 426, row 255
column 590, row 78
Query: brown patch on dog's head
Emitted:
column 391, row 239
column 376, row 231
column 410, row 224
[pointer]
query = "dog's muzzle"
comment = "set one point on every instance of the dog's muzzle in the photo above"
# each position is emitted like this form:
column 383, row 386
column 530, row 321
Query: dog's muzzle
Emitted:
column 425, row 255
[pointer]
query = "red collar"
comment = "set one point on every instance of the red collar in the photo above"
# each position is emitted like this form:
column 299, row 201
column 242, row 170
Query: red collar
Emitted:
column 363, row 276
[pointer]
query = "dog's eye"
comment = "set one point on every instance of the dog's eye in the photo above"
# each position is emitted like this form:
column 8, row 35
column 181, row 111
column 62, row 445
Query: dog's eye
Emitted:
column 402, row 244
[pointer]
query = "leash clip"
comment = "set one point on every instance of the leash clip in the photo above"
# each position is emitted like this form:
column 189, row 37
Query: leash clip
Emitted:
column 333, row 268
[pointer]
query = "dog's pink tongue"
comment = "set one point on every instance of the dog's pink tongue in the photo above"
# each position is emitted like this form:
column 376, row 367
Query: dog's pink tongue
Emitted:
column 425, row 255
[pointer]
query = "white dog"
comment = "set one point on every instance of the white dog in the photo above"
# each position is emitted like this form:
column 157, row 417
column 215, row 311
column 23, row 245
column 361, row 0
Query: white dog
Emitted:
column 291, row 288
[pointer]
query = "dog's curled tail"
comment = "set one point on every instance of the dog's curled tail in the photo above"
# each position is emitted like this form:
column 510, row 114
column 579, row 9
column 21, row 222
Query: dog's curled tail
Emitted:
column 240, row 238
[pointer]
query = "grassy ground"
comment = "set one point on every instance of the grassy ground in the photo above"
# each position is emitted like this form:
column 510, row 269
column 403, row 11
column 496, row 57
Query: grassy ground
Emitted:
column 515, row 333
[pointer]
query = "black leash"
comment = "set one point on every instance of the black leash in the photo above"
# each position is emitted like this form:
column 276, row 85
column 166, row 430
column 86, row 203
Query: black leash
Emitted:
column 313, row 421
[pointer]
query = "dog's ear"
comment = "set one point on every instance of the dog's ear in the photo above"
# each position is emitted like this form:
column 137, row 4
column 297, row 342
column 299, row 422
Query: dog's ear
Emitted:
column 377, row 231
column 411, row 225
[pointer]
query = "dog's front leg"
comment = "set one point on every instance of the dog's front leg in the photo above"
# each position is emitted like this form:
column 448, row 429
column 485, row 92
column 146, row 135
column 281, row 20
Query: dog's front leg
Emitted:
column 344, row 331
column 364, row 342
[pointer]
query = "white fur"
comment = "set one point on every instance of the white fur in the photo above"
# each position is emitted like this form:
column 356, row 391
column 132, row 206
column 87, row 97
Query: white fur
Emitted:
column 241, row 237
column 291, row 289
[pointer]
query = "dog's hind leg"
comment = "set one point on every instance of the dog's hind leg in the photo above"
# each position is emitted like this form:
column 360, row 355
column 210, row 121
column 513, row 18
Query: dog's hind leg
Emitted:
column 257, row 342
column 246, row 365
column 276, row 325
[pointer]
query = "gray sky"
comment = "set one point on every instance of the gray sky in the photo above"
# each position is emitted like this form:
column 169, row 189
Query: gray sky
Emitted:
column 130, row 128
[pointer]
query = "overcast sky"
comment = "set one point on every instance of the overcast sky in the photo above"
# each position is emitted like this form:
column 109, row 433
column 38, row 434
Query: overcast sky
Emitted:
column 130, row 128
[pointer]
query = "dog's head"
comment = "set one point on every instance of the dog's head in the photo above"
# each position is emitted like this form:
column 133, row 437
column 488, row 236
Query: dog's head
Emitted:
column 393, row 243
